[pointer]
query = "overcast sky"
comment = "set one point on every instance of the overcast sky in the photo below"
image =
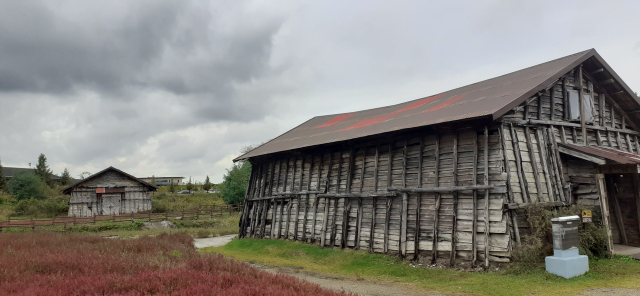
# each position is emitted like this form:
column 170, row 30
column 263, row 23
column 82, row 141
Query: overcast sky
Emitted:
column 178, row 87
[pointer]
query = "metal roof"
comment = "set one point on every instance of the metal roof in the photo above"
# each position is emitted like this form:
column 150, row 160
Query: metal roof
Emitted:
column 487, row 99
column 611, row 155
column 68, row 189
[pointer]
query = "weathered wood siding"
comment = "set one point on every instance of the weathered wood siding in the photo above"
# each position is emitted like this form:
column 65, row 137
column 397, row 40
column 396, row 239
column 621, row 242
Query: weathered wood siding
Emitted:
column 85, row 202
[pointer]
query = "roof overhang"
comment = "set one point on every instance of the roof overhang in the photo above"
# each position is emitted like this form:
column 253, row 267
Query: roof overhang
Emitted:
column 599, row 155
column 70, row 188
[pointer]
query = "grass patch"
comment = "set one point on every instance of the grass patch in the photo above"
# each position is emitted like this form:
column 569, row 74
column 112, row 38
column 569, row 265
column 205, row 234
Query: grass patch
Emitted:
column 515, row 279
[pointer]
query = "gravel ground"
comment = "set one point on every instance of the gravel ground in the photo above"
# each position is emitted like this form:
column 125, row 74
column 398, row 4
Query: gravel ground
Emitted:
column 610, row 292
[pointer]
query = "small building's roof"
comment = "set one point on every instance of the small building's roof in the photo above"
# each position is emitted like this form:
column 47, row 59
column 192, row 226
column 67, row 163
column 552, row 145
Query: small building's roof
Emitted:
column 9, row 172
column 487, row 99
column 606, row 155
column 68, row 189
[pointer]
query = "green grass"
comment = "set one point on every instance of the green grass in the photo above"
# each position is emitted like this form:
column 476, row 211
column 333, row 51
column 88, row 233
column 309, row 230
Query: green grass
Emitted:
column 221, row 226
column 515, row 279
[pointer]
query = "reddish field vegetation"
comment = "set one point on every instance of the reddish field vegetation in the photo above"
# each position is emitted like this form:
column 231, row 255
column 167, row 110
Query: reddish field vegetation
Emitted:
column 55, row 264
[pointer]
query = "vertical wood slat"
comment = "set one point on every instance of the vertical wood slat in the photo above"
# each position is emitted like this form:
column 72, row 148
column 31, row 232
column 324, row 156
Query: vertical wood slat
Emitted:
column 273, row 218
column 558, row 160
column 254, row 220
column 552, row 104
column 334, row 225
column 629, row 146
column 637, row 144
column 452, row 259
column 389, row 201
column 534, row 163
column 540, row 107
column 619, row 218
column 405, row 204
column 582, row 108
column 565, row 100
column 601, row 104
column 486, row 196
column 306, row 200
column 563, row 135
column 434, row 247
column 510, row 196
column 516, row 150
column 359, row 213
column 474, row 215
column 289, row 206
column 575, row 135
column 416, row 235
column 618, row 140
column 554, row 165
column 316, row 200
column 327, row 202
column 347, row 201
column 598, row 139
column 267, row 204
column 374, row 199
column 295, row 232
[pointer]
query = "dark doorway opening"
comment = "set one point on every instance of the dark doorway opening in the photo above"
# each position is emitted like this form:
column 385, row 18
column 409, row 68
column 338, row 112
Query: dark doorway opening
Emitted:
column 622, row 190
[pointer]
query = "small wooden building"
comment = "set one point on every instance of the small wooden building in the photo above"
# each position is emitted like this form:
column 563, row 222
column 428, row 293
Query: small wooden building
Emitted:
column 109, row 192
column 446, row 177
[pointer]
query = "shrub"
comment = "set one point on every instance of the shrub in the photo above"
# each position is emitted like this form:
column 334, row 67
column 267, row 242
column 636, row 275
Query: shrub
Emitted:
column 236, row 182
column 26, row 185
column 203, row 233
column 42, row 208
column 72, row 264
column 538, row 242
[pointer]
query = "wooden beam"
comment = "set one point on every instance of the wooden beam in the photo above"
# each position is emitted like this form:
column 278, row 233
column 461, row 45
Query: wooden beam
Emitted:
column 597, row 71
column 554, row 165
column 540, row 106
column 629, row 146
column 345, row 222
column 598, row 139
column 583, row 115
column 373, row 223
column 607, row 81
column 295, row 232
column 516, row 151
column 552, row 105
column 563, row 135
column 273, row 218
column 574, row 133
column 510, row 196
column 316, row 200
column 581, row 155
column 534, row 164
column 375, row 170
column 449, row 189
column 289, row 206
column 636, row 195
column 601, row 109
column 604, row 205
column 565, row 99
column 516, row 206
column 486, row 197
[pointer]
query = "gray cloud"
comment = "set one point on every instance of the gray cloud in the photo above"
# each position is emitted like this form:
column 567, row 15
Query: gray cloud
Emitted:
column 177, row 87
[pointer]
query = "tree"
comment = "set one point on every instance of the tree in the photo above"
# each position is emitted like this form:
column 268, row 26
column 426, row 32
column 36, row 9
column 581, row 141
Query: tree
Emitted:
column 189, row 185
column 65, row 178
column 43, row 171
column 26, row 185
column 3, row 181
column 84, row 175
column 207, row 184
column 236, row 181
column 172, row 188
column 153, row 180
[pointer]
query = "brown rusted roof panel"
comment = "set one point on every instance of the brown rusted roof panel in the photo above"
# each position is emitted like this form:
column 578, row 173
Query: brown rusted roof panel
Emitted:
column 615, row 156
column 489, row 98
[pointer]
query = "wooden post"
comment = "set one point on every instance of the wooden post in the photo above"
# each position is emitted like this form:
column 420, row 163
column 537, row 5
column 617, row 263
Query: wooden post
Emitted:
column 636, row 194
column 334, row 225
column 486, row 196
column 552, row 105
column 598, row 139
column 416, row 235
column 563, row 135
column 403, row 225
column 345, row 222
column 474, row 210
column 540, row 106
column 452, row 259
column 325, row 219
column 601, row 111
column 616, row 206
column 373, row 223
column 386, row 225
column 358, row 224
column 637, row 144
column 307, row 199
column 434, row 247
column 544, row 161
column 629, row 146
column 565, row 100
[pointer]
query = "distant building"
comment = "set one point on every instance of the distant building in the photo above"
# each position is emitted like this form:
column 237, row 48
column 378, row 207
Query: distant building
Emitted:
column 109, row 192
column 163, row 181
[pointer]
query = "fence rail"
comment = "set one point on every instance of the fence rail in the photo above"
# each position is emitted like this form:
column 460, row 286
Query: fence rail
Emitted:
column 202, row 210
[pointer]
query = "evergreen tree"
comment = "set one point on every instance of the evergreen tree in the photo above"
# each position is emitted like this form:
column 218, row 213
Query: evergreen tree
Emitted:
column 207, row 184
column 65, row 178
column 172, row 188
column 153, row 180
column 3, row 181
column 26, row 185
column 43, row 171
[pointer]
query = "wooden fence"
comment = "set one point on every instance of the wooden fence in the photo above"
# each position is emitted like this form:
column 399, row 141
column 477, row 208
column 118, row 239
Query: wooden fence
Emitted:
column 202, row 210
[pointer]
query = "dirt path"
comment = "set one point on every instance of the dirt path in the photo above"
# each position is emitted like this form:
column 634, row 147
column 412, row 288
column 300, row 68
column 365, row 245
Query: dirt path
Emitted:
column 213, row 241
column 359, row 286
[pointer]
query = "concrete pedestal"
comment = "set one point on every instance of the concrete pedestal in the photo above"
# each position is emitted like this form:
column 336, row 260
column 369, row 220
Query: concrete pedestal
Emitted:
column 567, row 263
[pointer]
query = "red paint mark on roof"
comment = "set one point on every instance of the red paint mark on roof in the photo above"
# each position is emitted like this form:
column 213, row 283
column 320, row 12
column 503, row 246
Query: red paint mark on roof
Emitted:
column 372, row 121
column 444, row 104
column 335, row 120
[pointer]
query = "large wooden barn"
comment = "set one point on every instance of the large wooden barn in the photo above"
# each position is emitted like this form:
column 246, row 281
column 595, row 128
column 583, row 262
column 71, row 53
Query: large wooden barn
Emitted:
column 109, row 192
column 445, row 178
